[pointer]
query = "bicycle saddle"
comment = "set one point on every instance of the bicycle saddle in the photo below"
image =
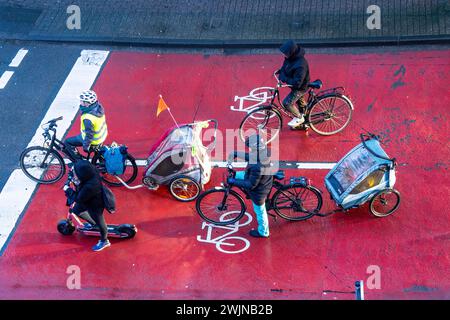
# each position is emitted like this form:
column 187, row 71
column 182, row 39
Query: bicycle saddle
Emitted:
column 279, row 175
column 94, row 148
column 316, row 84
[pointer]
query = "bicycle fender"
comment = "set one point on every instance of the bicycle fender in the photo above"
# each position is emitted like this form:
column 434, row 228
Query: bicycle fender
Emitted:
column 316, row 189
column 339, row 95
column 301, row 185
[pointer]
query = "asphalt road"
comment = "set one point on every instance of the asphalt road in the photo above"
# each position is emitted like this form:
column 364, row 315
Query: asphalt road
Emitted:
column 27, row 95
column 333, row 252
column 36, row 81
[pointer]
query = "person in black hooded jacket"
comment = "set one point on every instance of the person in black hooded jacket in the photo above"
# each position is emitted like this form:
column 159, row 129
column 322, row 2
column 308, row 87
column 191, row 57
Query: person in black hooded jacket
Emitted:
column 257, row 179
column 88, row 198
column 294, row 72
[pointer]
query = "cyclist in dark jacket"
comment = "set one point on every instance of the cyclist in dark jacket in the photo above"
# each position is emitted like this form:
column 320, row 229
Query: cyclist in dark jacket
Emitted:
column 88, row 200
column 257, row 179
column 294, row 72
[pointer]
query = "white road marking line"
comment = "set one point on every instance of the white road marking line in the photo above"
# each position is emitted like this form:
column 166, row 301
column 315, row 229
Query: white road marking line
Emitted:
column 294, row 165
column 13, row 198
column 141, row 163
column 315, row 165
column 6, row 76
column 223, row 164
column 18, row 189
column 18, row 58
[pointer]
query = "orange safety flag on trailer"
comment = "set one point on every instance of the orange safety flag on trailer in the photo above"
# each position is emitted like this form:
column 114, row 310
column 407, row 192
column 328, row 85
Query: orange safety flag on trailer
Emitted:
column 161, row 106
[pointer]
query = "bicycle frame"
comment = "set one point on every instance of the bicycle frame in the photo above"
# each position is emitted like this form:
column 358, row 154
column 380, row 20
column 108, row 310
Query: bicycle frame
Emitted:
column 57, row 144
column 276, row 186
column 312, row 98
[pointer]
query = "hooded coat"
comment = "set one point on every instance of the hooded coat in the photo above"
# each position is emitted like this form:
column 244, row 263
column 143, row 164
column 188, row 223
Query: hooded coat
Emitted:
column 258, row 178
column 295, row 68
column 89, row 196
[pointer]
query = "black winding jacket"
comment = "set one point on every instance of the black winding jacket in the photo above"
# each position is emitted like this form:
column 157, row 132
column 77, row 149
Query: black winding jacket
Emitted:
column 295, row 69
column 88, row 196
column 258, row 178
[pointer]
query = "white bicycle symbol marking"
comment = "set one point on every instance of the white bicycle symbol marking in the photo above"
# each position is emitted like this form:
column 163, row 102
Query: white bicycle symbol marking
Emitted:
column 225, row 243
column 258, row 95
column 92, row 57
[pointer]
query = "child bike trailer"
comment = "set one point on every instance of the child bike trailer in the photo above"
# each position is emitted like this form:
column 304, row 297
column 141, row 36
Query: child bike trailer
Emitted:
column 181, row 161
column 366, row 173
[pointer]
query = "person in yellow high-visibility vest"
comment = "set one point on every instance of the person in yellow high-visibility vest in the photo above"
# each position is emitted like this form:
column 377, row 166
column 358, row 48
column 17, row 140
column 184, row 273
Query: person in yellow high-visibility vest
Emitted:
column 93, row 125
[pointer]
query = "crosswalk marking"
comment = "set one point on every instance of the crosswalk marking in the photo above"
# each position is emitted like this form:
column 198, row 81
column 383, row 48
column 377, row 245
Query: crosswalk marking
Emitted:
column 18, row 58
column 18, row 189
column 4, row 79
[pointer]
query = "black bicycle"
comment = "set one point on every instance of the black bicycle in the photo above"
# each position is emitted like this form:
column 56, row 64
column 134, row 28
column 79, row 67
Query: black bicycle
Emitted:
column 45, row 165
column 327, row 112
column 295, row 201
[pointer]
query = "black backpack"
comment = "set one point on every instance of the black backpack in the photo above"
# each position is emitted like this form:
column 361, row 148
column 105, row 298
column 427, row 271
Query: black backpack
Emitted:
column 109, row 200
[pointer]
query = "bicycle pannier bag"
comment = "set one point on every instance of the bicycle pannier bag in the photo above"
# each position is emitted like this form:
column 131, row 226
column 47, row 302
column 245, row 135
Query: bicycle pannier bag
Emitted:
column 115, row 157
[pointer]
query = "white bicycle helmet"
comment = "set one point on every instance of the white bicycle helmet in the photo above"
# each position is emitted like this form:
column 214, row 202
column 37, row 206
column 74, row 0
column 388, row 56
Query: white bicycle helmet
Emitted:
column 88, row 96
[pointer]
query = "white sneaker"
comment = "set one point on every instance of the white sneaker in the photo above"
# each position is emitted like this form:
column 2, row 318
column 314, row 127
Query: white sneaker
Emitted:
column 296, row 122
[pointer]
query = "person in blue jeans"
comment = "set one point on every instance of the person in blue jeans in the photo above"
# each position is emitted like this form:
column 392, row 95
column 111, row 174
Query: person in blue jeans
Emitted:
column 257, row 180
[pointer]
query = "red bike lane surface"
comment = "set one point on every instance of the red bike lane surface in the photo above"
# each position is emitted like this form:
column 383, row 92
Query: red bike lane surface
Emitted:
column 402, row 95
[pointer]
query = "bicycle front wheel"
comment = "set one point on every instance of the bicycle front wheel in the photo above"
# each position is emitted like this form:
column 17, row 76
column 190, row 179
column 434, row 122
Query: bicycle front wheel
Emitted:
column 264, row 120
column 330, row 114
column 42, row 165
column 297, row 202
column 220, row 207
column 128, row 175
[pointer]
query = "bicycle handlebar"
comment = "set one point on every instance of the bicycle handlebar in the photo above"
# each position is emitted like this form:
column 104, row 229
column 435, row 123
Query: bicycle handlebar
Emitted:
column 51, row 123
column 279, row 83
column 373, row 136
column 55, row 120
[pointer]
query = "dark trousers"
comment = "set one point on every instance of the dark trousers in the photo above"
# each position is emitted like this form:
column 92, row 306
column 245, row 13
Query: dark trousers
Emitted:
column 101, row 223
column 71, row 144
column 294, row 102
column 93, row 218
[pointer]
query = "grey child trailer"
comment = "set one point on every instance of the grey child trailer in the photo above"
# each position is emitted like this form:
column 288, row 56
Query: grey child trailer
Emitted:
column 180, row 160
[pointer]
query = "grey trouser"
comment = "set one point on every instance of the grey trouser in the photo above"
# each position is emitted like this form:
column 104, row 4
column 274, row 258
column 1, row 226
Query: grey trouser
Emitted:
column 294, row 101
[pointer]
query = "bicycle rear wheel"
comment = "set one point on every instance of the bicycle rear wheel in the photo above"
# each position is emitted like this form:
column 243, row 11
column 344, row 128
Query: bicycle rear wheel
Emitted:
column 297, row 202
column 330, row 114
column 42, row 165
column 220, row 207
column 264, row 120
column 128, row 175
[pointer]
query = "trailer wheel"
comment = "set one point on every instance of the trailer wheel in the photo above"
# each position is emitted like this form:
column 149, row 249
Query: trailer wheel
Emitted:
column 184, row 188
column 385, row 202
